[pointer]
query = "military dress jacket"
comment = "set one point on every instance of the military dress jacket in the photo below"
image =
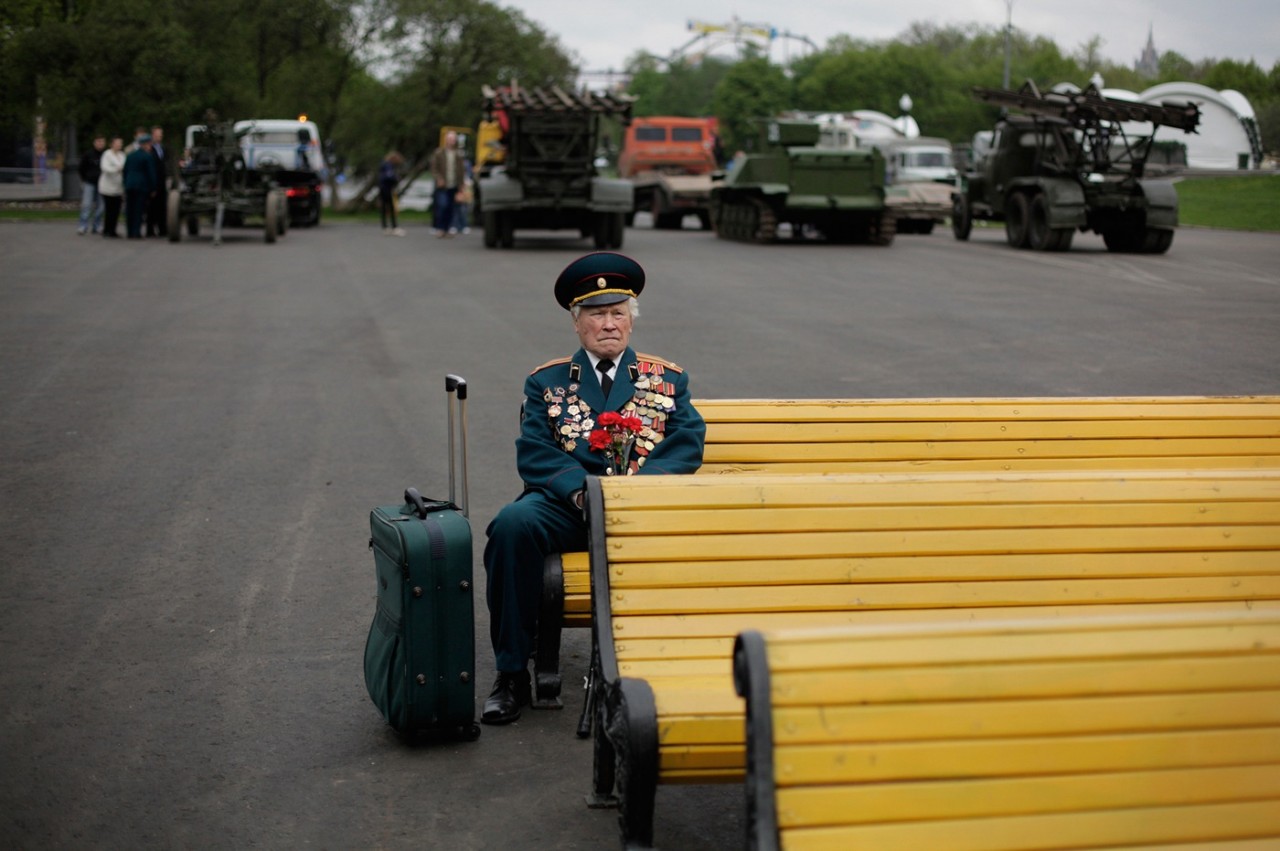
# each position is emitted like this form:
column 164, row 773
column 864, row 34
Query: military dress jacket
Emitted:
column 562, row 404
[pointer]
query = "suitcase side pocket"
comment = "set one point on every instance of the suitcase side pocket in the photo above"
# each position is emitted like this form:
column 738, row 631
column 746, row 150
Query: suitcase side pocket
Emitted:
column 384, row 667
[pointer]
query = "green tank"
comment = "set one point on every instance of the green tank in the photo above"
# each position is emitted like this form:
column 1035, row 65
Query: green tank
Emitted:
column 837, row 194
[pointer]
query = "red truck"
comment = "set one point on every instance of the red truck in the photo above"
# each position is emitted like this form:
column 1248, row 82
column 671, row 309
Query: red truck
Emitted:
column 669, row 160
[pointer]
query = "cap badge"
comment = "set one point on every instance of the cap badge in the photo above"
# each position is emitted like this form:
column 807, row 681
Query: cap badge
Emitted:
column 600, row 282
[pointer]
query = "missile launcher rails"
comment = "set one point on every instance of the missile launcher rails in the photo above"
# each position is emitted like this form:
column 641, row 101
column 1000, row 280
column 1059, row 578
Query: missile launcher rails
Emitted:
column 837, row 194
column 547, row 177
column 1066, row 162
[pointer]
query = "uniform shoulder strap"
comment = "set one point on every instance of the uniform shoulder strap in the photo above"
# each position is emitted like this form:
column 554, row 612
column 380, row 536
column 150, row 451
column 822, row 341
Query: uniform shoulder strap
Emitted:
column 550, row 364
column 666, row 364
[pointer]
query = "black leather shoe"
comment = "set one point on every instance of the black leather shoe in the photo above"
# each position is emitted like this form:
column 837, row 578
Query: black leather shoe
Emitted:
column 510, row 692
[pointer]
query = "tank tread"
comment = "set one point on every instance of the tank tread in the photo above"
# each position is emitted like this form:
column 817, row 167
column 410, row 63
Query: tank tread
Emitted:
column 746, row 220
column 886, row 229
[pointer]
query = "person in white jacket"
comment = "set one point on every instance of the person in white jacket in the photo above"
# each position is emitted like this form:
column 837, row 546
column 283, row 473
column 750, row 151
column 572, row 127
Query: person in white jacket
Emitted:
column 111, row 185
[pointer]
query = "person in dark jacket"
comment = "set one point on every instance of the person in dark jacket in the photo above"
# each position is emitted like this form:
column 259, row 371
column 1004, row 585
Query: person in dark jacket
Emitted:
column 91, row 205
column 158, row 204
column 388, row 180
column 139, row 183
column 569, row 404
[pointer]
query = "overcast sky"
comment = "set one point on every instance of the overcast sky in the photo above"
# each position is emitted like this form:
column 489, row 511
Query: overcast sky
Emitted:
column 605, row 33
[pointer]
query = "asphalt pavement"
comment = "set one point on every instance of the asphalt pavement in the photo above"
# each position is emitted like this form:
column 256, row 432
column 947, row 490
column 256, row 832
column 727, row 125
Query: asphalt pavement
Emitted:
column 191, row 439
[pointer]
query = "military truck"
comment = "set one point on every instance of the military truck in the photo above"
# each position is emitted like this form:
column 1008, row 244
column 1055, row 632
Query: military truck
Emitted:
column 669, row 160
column 547, row 177
column 1063, row 162
column 787, row 179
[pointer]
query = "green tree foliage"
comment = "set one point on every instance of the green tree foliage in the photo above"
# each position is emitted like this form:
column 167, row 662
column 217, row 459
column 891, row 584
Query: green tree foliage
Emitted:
column 680, row 89
column 750, row 89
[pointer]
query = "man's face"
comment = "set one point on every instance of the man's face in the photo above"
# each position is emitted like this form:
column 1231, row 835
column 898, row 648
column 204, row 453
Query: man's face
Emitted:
column 100, row 143
column 157, row 134
column 604, row 331
column 450, row 139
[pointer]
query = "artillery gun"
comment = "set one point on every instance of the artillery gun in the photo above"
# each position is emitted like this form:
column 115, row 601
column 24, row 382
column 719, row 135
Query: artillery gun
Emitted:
column 839, row 193
column 1067, row 162
column 215, row 181
column 546, row 177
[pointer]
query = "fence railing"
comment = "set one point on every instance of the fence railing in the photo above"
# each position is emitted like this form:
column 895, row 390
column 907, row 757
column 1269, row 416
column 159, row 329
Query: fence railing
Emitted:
column 30, row 184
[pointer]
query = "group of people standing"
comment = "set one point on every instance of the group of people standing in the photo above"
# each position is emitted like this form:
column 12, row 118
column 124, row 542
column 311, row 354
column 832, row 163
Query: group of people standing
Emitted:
column 452, row 174
column 135, row 178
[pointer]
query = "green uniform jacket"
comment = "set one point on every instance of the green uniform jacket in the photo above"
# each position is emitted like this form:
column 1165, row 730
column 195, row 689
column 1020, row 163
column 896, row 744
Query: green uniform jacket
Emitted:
column 563, row 400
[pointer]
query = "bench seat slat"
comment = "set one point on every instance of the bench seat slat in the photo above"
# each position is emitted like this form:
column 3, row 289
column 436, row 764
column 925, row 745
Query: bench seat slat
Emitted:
column 728, row 625
column 950, row 567
column 917, row 595
column 853, row 762
column 907, row 721
column 1100, row 639
column 864, row 451
column 1154, row 826
column 868, row 803
column 798, row 546
column 876, row 488
column 987, row 465
column 1036, row 680
column 850, row 430
column 951, row 409
column 961, row 517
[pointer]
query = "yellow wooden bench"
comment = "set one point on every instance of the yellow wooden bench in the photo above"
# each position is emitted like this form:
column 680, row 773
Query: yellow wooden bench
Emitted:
column 1102, row 732
column 850, row 435
column 682, row 564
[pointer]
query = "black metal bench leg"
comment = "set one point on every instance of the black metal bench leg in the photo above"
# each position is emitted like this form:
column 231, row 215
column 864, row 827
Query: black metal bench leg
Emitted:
column 604, row 757
column 546, row 660
column 589, row 691
column 634, row 729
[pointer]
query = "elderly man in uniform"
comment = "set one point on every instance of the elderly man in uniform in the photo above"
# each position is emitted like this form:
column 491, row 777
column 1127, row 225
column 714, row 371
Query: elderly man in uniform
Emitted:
column 564, row 401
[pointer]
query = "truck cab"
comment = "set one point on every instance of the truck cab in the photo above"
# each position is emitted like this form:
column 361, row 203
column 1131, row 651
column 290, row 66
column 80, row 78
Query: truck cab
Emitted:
column 670, row 160
column 291, row 149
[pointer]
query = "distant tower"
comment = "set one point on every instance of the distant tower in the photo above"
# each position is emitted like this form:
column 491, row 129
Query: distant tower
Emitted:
column 1148, row 63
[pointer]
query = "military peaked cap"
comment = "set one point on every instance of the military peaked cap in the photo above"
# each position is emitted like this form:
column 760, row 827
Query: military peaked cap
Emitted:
column 600, row 278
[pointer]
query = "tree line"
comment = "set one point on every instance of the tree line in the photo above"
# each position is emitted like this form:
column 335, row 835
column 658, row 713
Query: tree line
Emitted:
column 378, row 75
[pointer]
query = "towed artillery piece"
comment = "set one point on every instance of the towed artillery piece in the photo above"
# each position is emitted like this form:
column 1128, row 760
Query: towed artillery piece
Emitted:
column 790, row 178
column 214, row 181
column 1066, row 162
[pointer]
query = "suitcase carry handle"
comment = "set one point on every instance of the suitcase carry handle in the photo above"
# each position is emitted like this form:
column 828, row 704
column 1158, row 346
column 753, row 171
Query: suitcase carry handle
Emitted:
column 422, row 507
column 456, row 385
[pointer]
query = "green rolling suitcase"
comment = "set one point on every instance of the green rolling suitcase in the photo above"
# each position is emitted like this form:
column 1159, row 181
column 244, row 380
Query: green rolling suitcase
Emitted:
column 419, row 660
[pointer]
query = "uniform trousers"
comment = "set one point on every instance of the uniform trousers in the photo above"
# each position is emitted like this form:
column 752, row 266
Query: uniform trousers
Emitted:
column 523, row 534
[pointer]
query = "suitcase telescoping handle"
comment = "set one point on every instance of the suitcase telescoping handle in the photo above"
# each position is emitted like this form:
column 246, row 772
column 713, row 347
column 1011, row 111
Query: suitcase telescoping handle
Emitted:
column 456, row 385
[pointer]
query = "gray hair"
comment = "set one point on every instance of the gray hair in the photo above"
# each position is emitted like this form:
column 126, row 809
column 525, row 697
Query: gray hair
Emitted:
column 632, row 305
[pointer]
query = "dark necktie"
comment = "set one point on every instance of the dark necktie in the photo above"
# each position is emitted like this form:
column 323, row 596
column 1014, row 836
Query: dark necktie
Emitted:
column 606, row 383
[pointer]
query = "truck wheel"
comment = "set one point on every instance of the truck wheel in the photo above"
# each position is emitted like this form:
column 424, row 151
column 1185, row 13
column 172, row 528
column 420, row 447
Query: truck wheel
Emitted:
column 600, row 233
column 193, row 225
column 1017, row 212
column 668, row 221
column 173, row 214
column 282, row 213
column 961, row 218
column 1157, row 241
column 630, row 219
column 1040, row 237
column 270, row 215
column 490, row 230
column 1123, row 240
column 617, row 227
column 506, row 229
column 704, row 219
